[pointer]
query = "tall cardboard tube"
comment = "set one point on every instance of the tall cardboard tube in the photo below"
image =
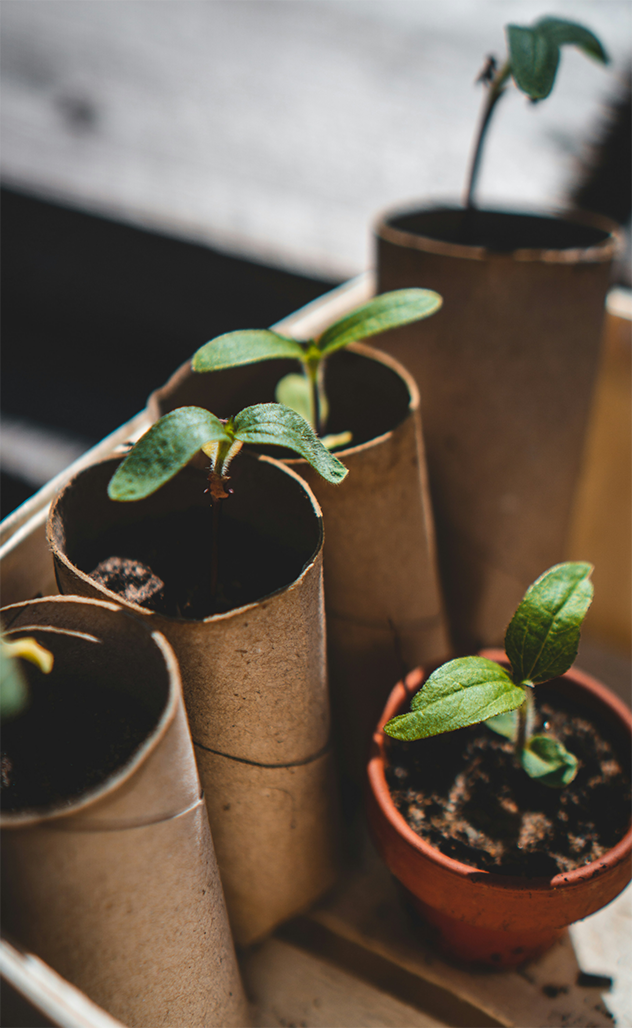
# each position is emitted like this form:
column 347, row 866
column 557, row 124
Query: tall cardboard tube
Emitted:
column 506, row 371
column 117, row 888
column 254, row 681
column 383, row 602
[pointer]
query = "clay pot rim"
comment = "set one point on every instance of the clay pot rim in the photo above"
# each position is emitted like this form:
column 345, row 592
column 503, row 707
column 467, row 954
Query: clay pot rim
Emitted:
column 136, row 608
column 362, row 350
column 598, row 253
column 379, row 787
column 37, row 815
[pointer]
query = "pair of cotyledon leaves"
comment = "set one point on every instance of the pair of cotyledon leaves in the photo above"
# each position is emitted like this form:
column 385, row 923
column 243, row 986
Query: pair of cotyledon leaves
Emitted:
column 541, row 643
column 13, row 686
column 400, row 307
column 179, row 435
column 534, row 52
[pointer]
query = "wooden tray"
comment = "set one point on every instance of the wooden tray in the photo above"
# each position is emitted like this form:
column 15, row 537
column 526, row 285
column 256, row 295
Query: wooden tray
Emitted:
column 356, row 959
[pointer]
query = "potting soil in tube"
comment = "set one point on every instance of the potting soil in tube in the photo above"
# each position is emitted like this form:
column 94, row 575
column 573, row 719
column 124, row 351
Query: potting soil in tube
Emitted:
column 69, row 739
column 463, row 793
column 169, row 560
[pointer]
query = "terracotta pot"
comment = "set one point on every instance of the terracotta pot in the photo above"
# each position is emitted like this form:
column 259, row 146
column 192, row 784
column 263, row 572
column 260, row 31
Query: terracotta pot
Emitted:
column 254, row 682
column 384, row 609
column 483, row 917
column 506, row 371
column 117, row 888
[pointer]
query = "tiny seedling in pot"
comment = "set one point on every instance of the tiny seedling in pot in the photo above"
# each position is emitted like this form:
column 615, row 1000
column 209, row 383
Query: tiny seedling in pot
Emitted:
column 541, row 644
column 178, row 436
column 305, row 392
column 532, row 61
column 13, row 686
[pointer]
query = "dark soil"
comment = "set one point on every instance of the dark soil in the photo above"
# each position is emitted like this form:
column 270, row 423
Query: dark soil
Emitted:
column 164, row 564
column 70, row 739
column 463, row 794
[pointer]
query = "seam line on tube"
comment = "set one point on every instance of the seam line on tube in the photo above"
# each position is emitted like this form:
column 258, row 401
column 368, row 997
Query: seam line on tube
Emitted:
column 122, row 825
column 258, row 763
column 388, row 625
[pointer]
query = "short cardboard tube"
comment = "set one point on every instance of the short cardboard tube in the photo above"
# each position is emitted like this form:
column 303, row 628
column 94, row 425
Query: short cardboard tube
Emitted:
column 116, row 886
column 254, row 677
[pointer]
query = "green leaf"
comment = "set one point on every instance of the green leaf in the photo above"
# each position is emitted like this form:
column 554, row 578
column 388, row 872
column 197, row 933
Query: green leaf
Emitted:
column 389, row 310
column 334, row 442
column 13, row 687
column 274, row 424
column 505, row 724
column 561, row 32
column 534, row 52
column 462, row 692
column 534, row 58
column 245, row 347
column 295, row 391
column 548, row 760
column 543, row 635
column 164, row 450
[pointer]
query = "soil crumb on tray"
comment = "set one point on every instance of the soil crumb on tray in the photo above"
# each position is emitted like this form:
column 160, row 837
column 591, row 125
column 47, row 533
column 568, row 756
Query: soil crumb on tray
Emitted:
column 462, row 793
column 70, row 738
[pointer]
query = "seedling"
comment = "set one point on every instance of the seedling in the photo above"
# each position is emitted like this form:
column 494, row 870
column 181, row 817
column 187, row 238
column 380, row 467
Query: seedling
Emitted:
column 305, row 392
column 541, row 643
column 13, row 687
column 533, row 57
column 171, row 443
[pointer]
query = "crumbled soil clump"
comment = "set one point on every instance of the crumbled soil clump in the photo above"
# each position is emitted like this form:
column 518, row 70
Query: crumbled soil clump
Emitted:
column 164, row 564
column 463, row 793
column 70, row 738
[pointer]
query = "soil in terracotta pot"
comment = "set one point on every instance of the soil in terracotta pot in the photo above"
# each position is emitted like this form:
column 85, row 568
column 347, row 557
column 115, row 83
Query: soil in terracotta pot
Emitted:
column 165, row 563
column 462, row 793
column 71, row 737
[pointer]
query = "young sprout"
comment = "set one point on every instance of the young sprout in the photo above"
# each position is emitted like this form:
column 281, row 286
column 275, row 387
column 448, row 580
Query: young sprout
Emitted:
column 305, row 392
column 171, row 443
column 533, row 57
column 541, row 643
column 13, row 687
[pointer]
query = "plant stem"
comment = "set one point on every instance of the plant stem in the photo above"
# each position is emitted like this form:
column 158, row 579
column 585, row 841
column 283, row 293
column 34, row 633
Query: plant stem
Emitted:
column 525, row 718
column 312, row 372
column 496, row 90
column 217, row 484
column 216, row 510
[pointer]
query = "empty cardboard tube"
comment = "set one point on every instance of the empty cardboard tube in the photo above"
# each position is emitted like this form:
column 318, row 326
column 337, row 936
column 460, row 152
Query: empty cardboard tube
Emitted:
column 254, row 680
column 117, row 888
column 384, row 608
column 506, row 372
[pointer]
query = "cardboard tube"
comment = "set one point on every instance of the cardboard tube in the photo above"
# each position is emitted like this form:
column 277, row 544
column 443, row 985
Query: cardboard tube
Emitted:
column 118, row 888
column 384, row 609
column 254, row 679
column 601, row 529
column 506, row 371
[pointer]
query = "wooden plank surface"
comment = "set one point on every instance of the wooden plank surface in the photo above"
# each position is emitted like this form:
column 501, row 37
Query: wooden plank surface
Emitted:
column 365, row 924
column 289, row 986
